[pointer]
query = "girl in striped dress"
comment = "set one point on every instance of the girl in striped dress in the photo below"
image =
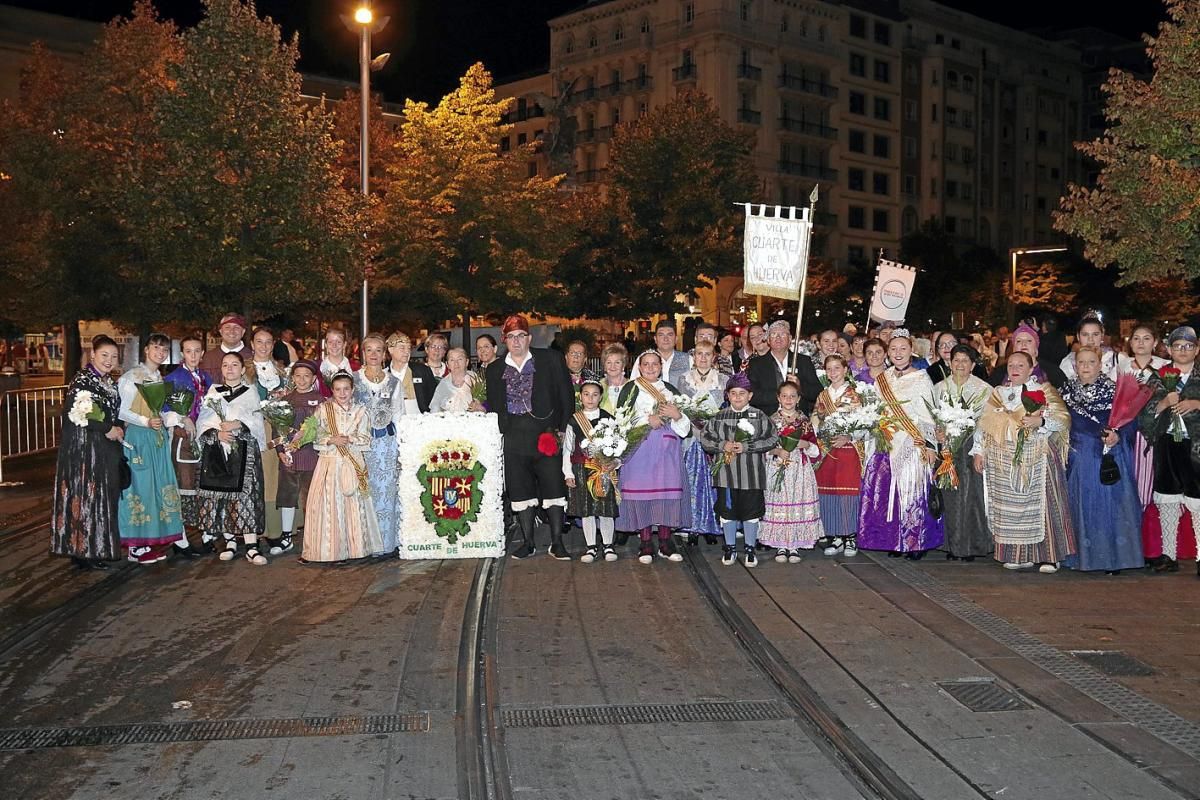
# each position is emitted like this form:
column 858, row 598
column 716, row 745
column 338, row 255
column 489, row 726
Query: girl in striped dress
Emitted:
column 792, row 521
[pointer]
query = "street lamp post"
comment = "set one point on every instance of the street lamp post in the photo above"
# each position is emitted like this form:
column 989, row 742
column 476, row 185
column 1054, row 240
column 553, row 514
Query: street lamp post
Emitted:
column 365, row 22
column 1013, row 252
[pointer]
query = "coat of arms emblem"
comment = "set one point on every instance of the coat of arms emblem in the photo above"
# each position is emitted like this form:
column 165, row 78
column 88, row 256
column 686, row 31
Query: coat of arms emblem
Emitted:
column 451, row 477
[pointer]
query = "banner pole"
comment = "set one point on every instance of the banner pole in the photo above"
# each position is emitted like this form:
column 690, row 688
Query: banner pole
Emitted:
column 812, row 204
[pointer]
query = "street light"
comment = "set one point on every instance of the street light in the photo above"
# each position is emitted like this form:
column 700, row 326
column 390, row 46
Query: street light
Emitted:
column 1013, row 252
column 365, row 23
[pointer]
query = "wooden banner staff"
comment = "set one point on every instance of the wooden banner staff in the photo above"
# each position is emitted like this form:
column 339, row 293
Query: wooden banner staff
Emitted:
column 812, row 204
column 874, row 286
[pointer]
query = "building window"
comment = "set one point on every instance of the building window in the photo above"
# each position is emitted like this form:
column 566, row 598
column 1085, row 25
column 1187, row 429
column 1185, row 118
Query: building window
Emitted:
column 532, row 170
column 933, row 78
column 968, row 83
column 883, row 146
column 858, row 65
column 821, row 33
column 951, row 79
column 593, row 40
column 881, row 184
column 1043, row 137
column 522, row 138
column 908, row 220
column 856, row 179
column 618, row 32
column 910, row 147
column 951, row 189
column 569, row 45
column 643, row 109
column 879, row 220
column 689, row 13
column 968, row 155
column 911, row 73
column 858, row 26
column 856, row 255
column 505, row 145
column 933, row 182
column 858, row 103
column 951, row 225
column 857, row 217
column 955, row 44
column 968, row 119
column 616, row 115
column 883, row 108
column 883, row 72
column 910, row 186
column 645, row 24
column 858, row 142
column 745, row 10
column 783, row 24
column 967, row 190
column 883, row 34
column 910, row 110
column 951, row 115
column 1041, row 204
column 951, row 151
column 933, row 113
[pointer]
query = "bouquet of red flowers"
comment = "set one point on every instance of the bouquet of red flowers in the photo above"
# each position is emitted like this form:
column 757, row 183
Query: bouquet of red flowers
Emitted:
column 1170, row 379
column 789, row 439
column 1033, row 401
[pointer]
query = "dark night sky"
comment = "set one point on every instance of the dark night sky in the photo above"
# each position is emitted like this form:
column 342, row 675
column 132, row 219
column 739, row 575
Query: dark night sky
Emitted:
column 433, row 41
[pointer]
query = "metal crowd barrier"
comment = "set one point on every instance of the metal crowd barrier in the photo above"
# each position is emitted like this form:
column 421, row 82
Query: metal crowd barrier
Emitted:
column 30, row 422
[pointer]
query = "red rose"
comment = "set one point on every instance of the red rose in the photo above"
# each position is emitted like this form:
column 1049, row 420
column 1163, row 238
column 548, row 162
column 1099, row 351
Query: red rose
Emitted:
column 547, row 444
column 1033, row 400
column 1165, row 371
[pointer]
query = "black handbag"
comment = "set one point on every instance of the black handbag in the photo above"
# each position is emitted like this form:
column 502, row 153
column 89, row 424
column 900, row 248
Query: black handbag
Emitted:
column 220, row 472
column 125, row 472
column 1110, row 472
column 937, row 504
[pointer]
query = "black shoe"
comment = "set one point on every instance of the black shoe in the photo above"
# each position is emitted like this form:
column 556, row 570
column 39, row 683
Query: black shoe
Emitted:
column 1165, row 564
column 81, row 564
column 558, row 550
column 968, row 559
column 894, row 554
column 693, row 539
column 915, row 555
column 1112, row 572
column 99, row 564
column 710, row 539
column 524, row 551
column 622, row 538
column 188, row 552
column 951, row 557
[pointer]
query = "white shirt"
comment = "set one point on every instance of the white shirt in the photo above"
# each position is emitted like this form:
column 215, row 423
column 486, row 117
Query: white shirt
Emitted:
column 127, row 388
column 328, row 368
column 267, row 375
column 409, row 404
column 568, row 443
column 241, row 346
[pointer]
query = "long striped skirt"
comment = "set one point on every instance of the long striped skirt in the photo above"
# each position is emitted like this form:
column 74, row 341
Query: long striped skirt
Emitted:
column 839, row 487
column 793, row 518
column 653, row 484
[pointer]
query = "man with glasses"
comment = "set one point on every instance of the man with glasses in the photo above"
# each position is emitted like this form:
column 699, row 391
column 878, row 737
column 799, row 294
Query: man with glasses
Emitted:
column 779, row 364
column 532, row 397
column 1171, row 422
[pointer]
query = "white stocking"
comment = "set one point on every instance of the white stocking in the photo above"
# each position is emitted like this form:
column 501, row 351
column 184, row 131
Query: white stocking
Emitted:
column 1168, row 517
column 589, row 531
column 288, row 517
column 607, row 527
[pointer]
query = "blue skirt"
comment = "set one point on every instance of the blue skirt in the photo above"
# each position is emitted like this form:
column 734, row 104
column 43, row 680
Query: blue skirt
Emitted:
column 703, row 496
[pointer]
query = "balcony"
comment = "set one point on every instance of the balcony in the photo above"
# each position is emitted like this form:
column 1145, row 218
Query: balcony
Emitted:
column 808, row 170
column 588, row 135
column 641, row 83
column 815, row 129
column 746, row 72
column 749, row 116
column 794, row 83
column 687, row 72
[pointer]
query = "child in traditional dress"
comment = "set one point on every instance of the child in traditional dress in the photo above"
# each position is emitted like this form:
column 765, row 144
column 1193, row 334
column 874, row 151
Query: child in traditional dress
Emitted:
column 839, row 475
column 593, row 511
column 738, row 437
column 793, row 519
column 296, row 464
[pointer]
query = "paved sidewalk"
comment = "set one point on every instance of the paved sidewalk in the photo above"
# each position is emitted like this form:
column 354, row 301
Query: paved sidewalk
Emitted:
column 1155, row 618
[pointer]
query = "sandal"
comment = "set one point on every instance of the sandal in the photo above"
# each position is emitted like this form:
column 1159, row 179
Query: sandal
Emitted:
column 255, row 557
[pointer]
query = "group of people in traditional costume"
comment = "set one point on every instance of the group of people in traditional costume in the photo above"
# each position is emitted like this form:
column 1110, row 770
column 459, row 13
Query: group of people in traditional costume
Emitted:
column 1044, row 480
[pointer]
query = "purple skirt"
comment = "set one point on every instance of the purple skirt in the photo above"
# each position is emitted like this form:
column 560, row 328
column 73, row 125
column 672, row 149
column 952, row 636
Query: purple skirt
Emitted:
column 911, row 529
column 653, row 484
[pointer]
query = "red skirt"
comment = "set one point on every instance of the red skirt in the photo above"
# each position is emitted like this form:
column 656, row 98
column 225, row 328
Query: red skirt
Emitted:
column 1152, row 534
column 840, row 472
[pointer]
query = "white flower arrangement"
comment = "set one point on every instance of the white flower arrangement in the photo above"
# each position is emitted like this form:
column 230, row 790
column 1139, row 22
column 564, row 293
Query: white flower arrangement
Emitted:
column 85, row 409
column 608, row 439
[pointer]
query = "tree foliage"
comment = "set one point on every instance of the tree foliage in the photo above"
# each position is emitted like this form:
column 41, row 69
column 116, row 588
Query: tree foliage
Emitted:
column 240, row 204
column 1143, row 215
column 465, row 227
column 675, row 175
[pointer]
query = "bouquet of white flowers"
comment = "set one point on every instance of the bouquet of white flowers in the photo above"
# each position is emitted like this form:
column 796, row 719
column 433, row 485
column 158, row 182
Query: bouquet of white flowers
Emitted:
column 85, row 409
column 604, row 448
column 282, row 417
column 955, row 420
column 214, row 405
column 742, row 433
column 698, row 409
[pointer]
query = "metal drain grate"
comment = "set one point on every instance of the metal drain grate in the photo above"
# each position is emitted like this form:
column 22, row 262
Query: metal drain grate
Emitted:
column 983, row 695
column 564, row 716
column 1114, row 662
column 211, row 730
column 1158, row 720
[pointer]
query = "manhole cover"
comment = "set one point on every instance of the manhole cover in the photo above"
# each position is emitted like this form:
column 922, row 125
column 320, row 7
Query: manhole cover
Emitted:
column 983, row 695
column 1113, row 662
column 211, row 730
column 563, row 716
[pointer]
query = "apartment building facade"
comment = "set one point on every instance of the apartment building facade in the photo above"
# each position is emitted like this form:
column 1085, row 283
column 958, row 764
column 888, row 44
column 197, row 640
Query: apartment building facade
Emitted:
column 899, row 110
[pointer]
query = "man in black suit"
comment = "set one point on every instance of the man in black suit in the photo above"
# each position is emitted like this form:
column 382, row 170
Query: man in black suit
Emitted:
column 530, row 393
column 767, row 372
